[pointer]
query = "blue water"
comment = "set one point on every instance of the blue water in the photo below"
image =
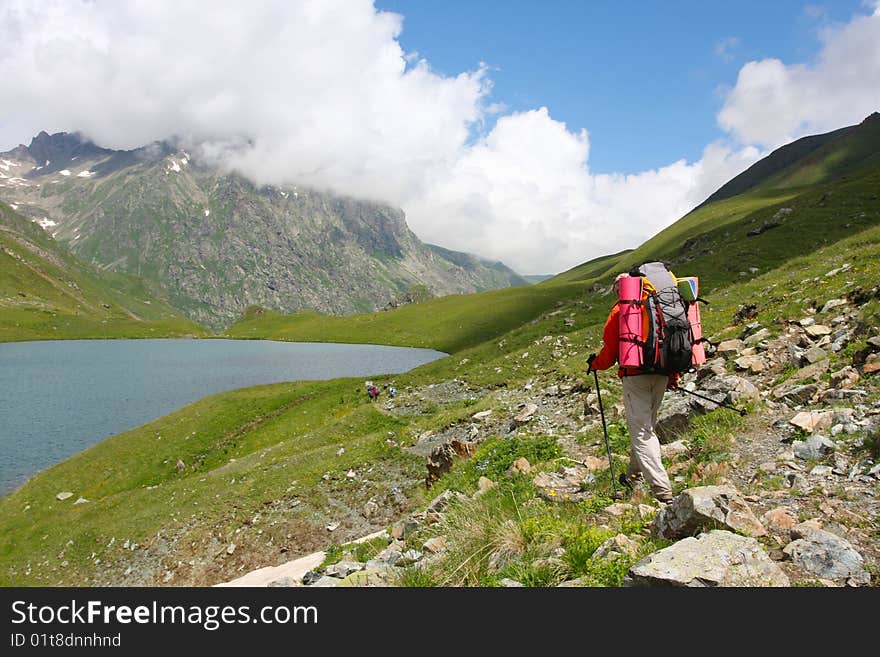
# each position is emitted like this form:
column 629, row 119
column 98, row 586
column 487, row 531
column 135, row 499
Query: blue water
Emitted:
column 60, row 397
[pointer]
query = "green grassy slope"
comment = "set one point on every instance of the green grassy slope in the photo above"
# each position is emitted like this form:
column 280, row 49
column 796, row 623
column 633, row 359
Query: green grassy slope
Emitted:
column 810, row 160
column 449, row 324
column 46, row 293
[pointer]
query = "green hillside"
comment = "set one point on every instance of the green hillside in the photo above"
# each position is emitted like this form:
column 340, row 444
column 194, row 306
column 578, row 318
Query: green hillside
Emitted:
column 449, row 324
column 46, row 293
column 273, row 472
column 810, row 160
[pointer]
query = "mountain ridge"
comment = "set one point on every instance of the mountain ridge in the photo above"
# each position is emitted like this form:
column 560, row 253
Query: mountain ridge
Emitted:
column 214, row 243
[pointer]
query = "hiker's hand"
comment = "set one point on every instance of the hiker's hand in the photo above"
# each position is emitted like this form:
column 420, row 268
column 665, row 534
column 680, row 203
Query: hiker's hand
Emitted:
column 590, row 363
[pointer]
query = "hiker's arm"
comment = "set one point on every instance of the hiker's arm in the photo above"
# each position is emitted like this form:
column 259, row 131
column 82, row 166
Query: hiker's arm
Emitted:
column 608, row 356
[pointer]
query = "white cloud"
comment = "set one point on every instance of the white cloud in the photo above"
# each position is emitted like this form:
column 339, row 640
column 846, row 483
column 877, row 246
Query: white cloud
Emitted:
column 525, row 195
column 319, row 92
column 773, row 103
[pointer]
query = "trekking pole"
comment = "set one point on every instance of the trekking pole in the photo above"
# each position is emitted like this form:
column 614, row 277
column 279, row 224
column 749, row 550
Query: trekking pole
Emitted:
column 741, row 411
column 605, row 431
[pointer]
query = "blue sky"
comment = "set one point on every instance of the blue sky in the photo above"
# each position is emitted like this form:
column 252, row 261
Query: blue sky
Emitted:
column 644, row 78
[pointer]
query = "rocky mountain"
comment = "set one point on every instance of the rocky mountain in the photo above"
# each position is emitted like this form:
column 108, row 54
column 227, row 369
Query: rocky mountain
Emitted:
column 214, row 243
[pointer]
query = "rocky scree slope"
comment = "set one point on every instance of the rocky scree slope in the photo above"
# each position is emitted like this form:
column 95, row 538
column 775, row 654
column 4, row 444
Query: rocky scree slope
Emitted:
column 788, row 496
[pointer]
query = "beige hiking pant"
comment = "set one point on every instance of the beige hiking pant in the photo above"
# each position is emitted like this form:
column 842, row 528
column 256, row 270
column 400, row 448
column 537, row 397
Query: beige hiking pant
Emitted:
column 642, row 395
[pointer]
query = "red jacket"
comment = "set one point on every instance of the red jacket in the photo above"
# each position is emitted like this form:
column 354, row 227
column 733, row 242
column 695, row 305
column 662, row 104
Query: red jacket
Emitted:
column 611, row 348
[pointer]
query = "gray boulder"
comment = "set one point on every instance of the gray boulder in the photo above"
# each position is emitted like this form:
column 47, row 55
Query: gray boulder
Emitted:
column 706, row 507
column 826, row 555
column 675, row 415
column 717, row 558
column 814, row 447
column 343, row 568
column 734, row 389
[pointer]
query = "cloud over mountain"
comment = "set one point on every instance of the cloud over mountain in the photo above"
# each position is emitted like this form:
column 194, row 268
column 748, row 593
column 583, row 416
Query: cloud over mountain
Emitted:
column 320, row 93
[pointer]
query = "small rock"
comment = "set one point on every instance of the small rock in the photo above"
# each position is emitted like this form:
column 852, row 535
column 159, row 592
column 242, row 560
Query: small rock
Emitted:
column 780, row 519
column 510, row 583
column 402, row 529
column 616, row 546
column 845, row 378
column 818, row 330
column 811, row 421
column 673, row 449
column 343, row 568
column 340, row 451
column 821, row 471
column 282, row 582
column 526, row 415
column 814, row 355
column 595, row 463
column 484, row 484
column 370, row 509
column 797, row 394
column 81, row 500
column 754, row 364
column 63, row 496
column 618, row 509
column 230, row 548
column 482, row 415
column 325, row 581
column 435, row 544
column 814, row 447
column 833, row 303
column 522, row 465
column 813, row 371
column 333, row 526
column 757, row 337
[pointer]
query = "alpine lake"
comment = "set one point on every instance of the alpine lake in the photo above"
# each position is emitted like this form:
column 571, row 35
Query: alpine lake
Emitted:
column 59, row 397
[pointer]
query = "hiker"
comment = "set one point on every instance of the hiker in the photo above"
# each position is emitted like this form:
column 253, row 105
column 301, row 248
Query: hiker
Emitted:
column 392, row 391
column 642, row 394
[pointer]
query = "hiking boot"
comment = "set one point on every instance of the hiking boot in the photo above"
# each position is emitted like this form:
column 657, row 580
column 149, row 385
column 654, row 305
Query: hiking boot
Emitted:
column 629, row 481
column 665, row 500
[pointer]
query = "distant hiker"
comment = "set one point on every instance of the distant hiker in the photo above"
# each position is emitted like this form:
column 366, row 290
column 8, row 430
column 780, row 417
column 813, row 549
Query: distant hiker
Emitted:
column 180, row 465
column 644, row 385
column 392, row 391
